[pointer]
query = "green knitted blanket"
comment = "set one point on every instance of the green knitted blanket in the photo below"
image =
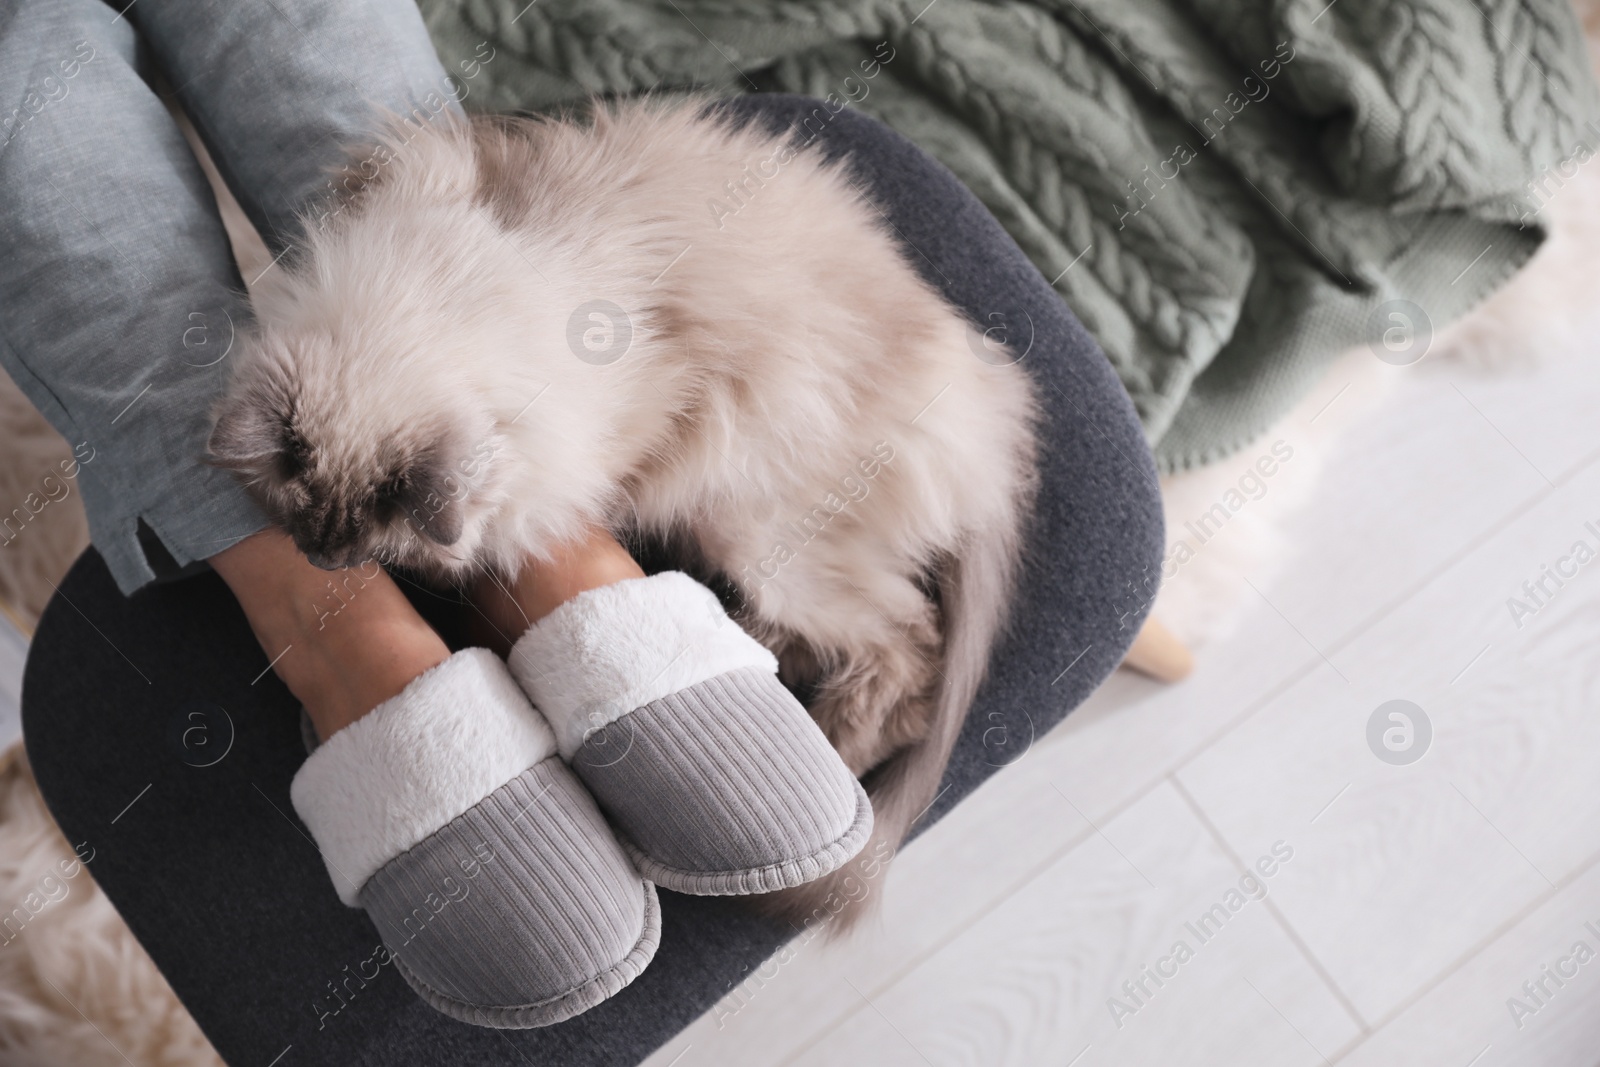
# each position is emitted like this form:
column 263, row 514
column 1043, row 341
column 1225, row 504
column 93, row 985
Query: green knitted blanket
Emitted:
column 1226, row 192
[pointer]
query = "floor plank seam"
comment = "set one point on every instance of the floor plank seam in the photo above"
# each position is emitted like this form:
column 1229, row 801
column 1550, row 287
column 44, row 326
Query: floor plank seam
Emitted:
column 939, row 945
column 1294, row 678
column 1484, row 944
column 1282, row 920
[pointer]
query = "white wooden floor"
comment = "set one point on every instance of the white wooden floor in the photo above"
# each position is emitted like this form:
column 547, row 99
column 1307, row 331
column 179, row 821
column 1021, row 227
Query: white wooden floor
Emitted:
column 1417, row 899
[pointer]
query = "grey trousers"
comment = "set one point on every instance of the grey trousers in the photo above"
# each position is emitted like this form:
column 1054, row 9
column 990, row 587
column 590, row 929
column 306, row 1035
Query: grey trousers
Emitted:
column 118, row 292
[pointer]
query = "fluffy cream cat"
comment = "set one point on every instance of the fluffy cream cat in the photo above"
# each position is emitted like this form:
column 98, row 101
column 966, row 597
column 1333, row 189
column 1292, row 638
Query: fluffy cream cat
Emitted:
column 667, row 324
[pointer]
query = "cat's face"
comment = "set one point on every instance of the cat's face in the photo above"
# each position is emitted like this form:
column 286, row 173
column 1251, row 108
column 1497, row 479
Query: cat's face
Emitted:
column 354, row 470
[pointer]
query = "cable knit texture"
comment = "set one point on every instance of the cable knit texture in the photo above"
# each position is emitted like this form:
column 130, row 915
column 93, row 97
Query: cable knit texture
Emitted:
column 1224, row 192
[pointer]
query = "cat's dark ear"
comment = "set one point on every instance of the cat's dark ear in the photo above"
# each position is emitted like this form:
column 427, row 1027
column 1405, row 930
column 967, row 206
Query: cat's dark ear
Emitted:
column 429, row 495
column 247, row 436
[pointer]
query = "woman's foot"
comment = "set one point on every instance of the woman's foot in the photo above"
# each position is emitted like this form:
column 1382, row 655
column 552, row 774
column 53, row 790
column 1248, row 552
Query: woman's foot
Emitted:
column 438, row 780
column 714, row 776
column 342, row 641
column 492, row 877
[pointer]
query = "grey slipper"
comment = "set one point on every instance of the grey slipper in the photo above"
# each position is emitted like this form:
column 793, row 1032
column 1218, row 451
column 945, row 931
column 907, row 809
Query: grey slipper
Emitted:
column 500, row 892
column 715, row 778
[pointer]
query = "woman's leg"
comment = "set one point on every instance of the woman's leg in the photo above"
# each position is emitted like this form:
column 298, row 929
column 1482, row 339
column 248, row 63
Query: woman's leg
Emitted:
column 217, row 878
column 119, row 301
column 342, row 641
column 336, row 74
column 118, row 290
column 281, row 92
column 333, row 72
column 118, row 294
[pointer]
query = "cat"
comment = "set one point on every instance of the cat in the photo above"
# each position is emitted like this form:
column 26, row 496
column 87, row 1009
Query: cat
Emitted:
column 667, row 323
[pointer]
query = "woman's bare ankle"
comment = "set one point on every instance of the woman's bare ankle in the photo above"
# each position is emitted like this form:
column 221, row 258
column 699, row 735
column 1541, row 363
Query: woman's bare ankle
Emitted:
column 510, row 607
column 342, row 641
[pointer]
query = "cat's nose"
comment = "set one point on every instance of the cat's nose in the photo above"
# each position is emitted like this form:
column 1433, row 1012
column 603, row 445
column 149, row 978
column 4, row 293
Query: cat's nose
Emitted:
column 319, row 560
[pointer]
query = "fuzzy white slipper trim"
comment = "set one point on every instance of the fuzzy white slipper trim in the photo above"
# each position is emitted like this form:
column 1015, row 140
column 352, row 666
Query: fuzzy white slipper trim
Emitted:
column 379, row 786
column 610, row 650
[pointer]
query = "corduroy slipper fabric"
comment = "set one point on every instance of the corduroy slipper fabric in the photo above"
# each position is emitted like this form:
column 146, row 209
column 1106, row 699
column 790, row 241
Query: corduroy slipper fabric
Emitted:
column 500, row 892
column 715, row 778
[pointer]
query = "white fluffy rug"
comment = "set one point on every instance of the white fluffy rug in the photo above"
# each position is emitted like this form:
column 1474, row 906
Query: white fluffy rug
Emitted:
column 75, row 988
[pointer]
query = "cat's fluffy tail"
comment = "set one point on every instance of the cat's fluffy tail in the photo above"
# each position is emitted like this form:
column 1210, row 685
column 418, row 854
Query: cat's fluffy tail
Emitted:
column 975, row 591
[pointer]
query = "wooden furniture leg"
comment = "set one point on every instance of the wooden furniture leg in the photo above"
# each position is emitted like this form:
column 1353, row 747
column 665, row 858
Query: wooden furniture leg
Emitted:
column 1156, row 652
